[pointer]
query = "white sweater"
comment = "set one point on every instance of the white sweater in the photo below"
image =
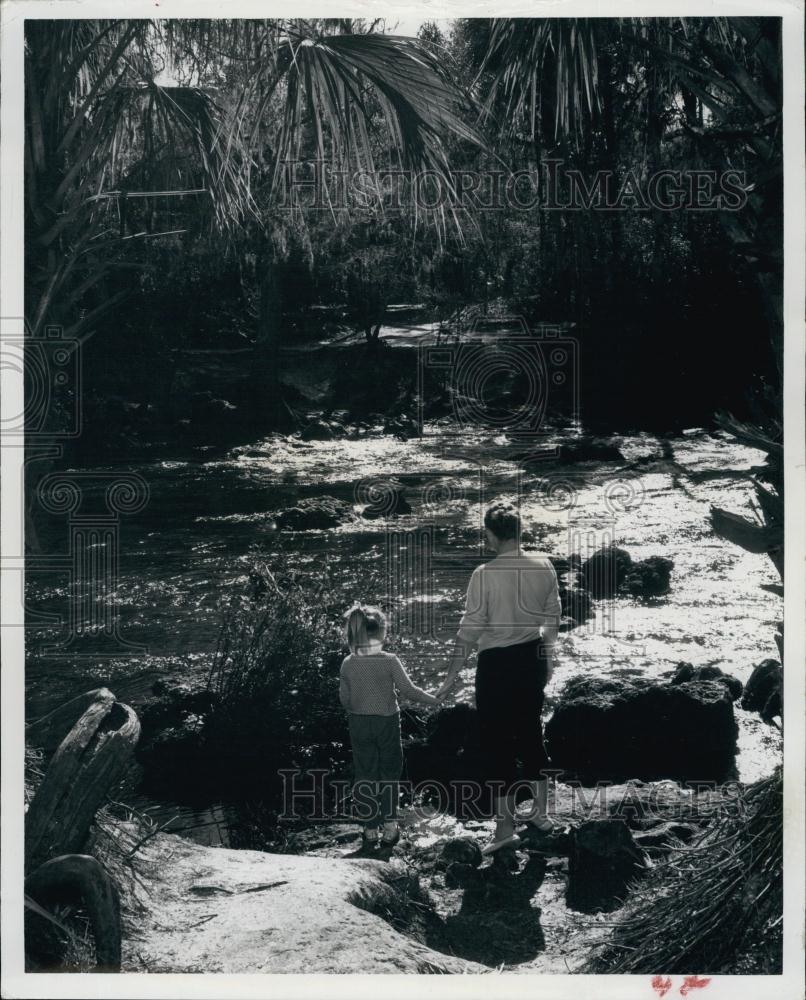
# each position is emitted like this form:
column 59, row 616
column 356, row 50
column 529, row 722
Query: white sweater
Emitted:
column 509, row 600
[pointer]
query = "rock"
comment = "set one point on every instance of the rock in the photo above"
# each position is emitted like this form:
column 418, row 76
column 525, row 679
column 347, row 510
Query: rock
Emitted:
column 686, row 672
column 271, row 913
column 402, row 426
column 448, row 758
column 313, row 514
column 613, row 730
column 206, row 410
column 577, row 605
column 463, row 850
column 605, row 572
column 764, row 690
column 603, row 860
column 649, row 577
column 590, row 450
column 611, row 570
column 459, row 876
column 317, row 430
column 387, row 499
column 453, row 729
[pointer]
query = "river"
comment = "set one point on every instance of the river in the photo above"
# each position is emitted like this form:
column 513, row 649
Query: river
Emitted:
column 189, row 547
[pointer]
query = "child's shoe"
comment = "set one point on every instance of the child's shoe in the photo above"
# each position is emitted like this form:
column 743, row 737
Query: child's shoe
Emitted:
column 391, row 834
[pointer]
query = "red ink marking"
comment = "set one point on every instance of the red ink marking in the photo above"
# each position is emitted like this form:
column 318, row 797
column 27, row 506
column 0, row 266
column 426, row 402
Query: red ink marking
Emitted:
column 661, row 985
column 692, row 983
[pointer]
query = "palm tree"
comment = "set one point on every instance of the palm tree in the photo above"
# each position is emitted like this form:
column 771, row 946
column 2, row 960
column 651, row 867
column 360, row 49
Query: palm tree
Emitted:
column 729, row 68
column 554, row 80
column 104, row 132
column 132, row 135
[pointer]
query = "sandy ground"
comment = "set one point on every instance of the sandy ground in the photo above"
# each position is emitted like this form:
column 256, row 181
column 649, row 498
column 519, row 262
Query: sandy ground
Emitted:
column 205, row 909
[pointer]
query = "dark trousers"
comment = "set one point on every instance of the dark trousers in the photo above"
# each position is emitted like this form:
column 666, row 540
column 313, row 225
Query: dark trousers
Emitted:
column 377, row 763
column 509, row 701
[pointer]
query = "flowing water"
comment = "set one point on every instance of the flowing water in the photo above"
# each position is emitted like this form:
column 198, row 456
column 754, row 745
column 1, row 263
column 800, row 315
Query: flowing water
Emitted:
column 189, row 548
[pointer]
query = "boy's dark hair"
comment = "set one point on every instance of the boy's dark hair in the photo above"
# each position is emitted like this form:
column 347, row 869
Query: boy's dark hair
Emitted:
column 503, row 520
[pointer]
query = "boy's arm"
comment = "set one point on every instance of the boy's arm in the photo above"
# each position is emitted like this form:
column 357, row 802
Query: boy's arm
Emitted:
column 552, row 610
column 461, row 654
column 407, row 688
column 471, row 626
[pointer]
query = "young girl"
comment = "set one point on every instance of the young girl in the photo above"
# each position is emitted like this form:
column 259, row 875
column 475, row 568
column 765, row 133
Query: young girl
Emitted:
column 369, row 677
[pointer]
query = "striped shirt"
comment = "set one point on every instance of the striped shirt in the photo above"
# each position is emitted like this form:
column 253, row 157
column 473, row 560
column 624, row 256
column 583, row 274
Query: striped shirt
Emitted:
column 509, row 600
column 367, row 684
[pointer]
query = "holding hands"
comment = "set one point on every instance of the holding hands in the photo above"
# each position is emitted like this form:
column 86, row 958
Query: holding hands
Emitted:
column 445, row 689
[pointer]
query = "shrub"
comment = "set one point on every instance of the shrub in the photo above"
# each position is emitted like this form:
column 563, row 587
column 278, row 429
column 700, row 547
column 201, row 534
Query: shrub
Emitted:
column 274, row 681
column 715, row 907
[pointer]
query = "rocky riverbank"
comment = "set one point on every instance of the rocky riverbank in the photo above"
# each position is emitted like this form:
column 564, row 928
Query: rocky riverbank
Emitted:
column 428, row 906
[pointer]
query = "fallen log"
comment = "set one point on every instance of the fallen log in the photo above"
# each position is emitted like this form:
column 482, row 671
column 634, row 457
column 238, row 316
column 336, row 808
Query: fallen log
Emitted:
column 76, row 877
column 89, row 760
column 48, row 731
column 747, row 534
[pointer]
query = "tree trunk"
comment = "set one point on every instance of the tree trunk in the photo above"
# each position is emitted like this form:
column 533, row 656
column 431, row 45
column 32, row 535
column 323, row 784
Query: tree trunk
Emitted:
column 79, row 875
column 48, row 731
column 91, row 759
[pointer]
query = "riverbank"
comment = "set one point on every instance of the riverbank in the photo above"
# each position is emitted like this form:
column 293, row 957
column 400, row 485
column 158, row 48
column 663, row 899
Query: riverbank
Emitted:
column 327, row 909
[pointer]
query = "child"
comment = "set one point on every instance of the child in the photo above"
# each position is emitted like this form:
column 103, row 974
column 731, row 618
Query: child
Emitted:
column 369, row 677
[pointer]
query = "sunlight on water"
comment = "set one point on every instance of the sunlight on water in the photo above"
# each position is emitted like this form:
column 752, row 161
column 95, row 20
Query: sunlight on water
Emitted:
column 188, row 551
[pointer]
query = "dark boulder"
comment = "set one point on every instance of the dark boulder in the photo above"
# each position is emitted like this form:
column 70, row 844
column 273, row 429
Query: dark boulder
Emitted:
column 453, row 729
column 448, row 765
column 685, row 672
column 386, row 499
column 636, row 728
column 611, row 571
column 606, row 571
column 764, row 690
column 208, row 411
column 463, row 851
column 403, row 426
column 460, row 876
column 603, row 860
column 590, row 450
column 312, row 514
column 318, row 430
column 649, row 577
column 577, row 606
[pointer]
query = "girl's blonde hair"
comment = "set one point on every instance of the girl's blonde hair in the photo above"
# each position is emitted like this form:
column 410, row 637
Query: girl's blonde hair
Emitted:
column 364, row 625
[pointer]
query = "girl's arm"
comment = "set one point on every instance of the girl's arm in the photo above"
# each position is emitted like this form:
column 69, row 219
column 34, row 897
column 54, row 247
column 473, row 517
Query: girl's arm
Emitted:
column 407, row 688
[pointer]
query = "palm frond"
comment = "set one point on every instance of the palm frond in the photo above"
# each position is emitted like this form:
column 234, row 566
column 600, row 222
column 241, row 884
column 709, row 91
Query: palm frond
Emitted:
column 525, row 55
